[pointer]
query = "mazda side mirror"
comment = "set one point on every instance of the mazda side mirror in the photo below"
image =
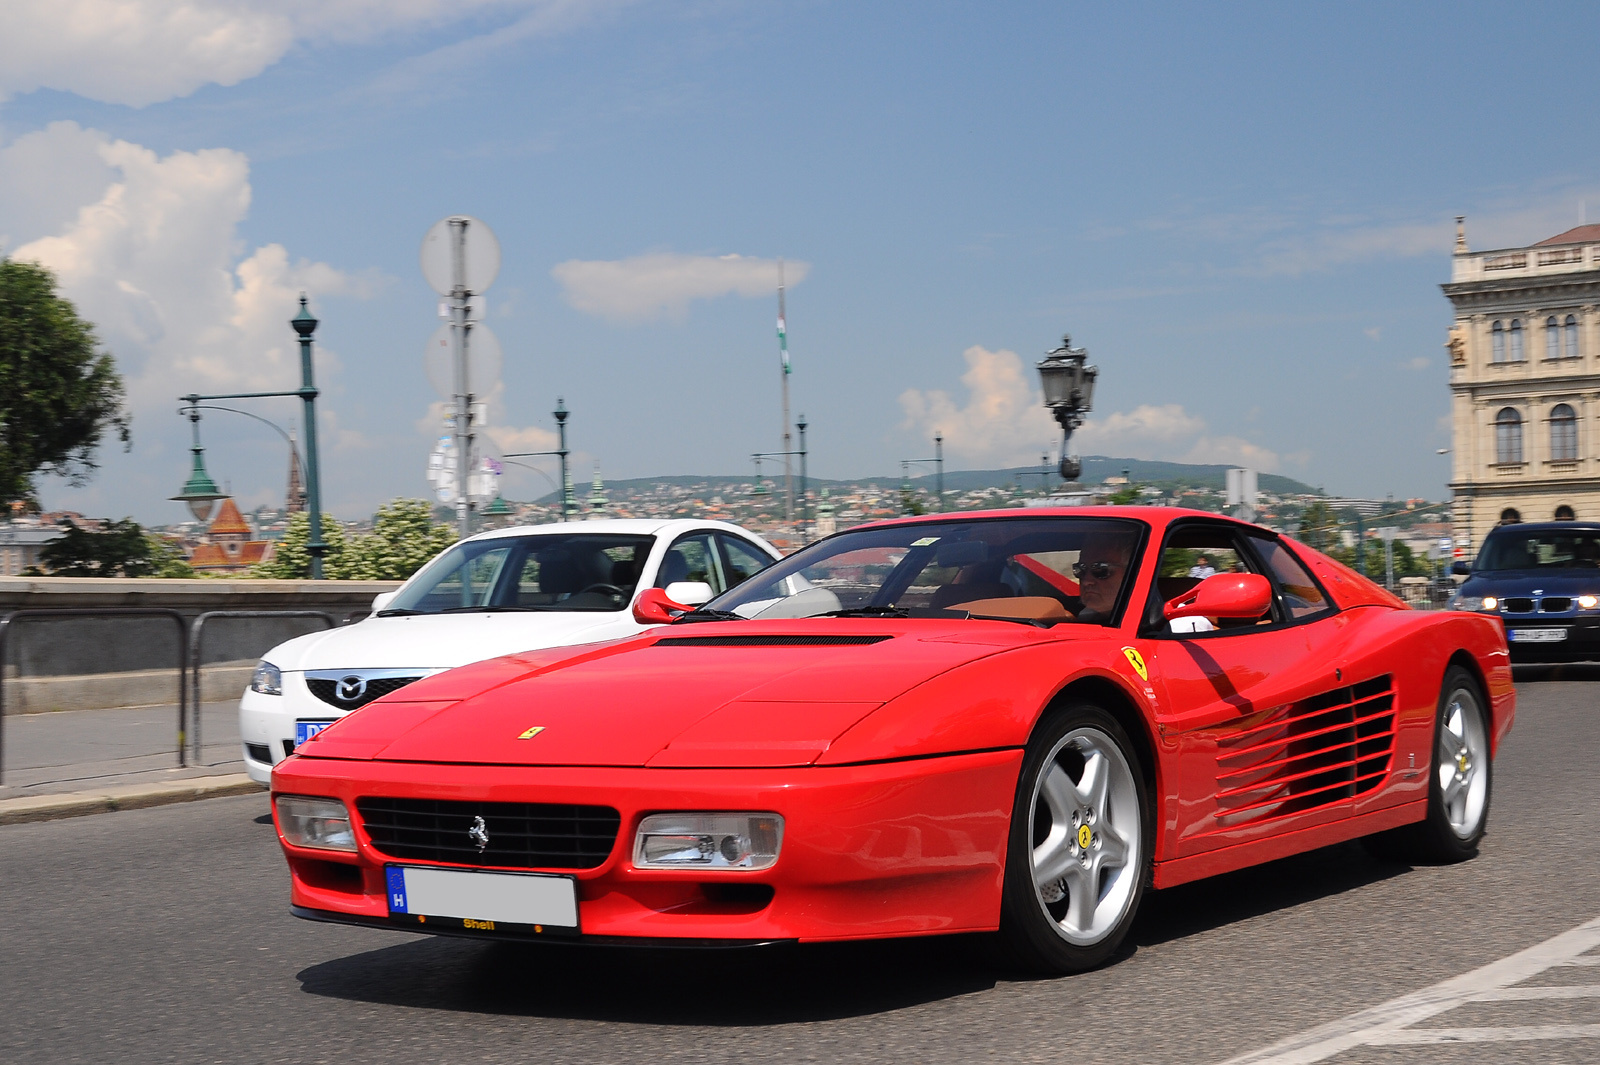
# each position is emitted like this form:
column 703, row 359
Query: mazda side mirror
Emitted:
column 1226, row 595
column 690, row 593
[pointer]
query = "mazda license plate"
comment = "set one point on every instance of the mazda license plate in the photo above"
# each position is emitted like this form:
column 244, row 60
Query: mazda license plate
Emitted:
column 482, row 900
column 1538, row 635
column 304, row 730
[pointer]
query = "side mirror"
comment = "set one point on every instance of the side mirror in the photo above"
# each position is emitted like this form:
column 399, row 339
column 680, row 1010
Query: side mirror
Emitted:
column 383, row 599
column 1226, row 595
column 690, row 593
column 1462, row 568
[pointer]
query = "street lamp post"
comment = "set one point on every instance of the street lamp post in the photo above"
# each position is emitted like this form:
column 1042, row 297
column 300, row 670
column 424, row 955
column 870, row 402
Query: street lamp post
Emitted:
column 757, row 456
column 565, row 491
column 200, row 492
column 937, row 462
column 1068, row 384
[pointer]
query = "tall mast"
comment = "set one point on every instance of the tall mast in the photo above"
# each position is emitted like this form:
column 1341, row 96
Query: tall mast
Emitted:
column 783, row 353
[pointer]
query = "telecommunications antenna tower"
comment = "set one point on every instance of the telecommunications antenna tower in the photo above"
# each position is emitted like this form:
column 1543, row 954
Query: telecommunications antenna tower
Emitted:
column 460, row 258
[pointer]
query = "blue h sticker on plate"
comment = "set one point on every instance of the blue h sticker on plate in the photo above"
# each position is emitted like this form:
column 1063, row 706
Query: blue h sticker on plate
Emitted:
column 396, row 878
column 304, row 730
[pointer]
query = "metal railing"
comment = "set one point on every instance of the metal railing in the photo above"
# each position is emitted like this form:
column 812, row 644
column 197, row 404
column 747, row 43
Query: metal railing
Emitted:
column 7, row 622
column 197, row 635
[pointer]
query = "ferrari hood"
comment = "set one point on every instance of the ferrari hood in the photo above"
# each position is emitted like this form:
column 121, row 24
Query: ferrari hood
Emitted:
column 440, row 641
column 757, row 694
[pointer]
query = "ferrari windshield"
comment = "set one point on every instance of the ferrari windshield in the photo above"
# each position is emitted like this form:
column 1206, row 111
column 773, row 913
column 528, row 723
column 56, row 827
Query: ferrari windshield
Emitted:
column 1509, row 549
column 552, row 571
column 1043, row 570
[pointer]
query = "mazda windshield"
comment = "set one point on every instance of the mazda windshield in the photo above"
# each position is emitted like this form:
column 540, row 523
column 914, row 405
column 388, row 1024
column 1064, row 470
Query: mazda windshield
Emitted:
column 1039, row 570
column 552, row 571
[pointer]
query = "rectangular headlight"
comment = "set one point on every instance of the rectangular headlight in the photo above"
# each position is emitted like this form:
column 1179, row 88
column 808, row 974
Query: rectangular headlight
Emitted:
column 320, row 823
column 708, row 841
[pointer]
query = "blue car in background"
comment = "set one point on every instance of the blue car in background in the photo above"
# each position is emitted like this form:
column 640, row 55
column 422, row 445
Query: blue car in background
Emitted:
column 1543, row 581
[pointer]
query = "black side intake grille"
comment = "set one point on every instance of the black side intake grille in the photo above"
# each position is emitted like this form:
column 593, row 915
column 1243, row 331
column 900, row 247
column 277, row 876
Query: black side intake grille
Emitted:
column 259, row 752
column 841, row 640
column 1518, row 604
column 521, row 835
column 327, row 690
column 1308, row 754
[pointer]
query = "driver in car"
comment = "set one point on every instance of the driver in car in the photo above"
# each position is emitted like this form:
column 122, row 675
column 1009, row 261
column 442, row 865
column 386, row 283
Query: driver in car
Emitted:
column 1102, row 564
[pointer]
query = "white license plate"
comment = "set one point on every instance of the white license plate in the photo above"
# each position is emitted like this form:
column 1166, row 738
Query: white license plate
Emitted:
column 1538, row 635
column 481, row 899
column 304, row 730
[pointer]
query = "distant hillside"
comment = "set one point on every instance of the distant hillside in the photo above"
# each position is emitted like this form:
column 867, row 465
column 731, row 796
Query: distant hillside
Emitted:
column 1096, row 468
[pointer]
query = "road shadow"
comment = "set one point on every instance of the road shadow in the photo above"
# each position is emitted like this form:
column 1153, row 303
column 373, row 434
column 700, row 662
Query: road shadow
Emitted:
column 715, row 988
column 1544, row 673
column 1203, row 905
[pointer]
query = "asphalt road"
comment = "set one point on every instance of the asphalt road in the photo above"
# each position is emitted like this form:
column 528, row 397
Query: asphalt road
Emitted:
column 163, row 935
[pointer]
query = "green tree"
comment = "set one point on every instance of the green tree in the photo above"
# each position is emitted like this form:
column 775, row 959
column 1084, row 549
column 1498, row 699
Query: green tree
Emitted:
column 121, row 549
column 404, row 537
column 291, row 560
column 59, row 394
column 1127, row 495
column 1319, row 527
column 167, row 558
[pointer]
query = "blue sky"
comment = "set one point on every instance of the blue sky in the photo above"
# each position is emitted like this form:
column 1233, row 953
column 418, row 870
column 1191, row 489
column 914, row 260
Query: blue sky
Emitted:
column 1243, row 211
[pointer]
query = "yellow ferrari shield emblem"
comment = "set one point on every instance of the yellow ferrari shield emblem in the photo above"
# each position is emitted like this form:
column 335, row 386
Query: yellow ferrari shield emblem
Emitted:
column 531, row 733
column 1136, row 660
column 1085, row 837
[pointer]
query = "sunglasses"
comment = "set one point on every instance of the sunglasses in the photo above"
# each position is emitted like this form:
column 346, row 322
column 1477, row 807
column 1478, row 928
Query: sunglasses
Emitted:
column 1098, row 570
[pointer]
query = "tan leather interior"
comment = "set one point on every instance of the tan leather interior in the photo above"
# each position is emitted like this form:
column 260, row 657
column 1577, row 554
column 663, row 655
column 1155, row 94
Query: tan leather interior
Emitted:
column 1026, row 607
column 961, row 594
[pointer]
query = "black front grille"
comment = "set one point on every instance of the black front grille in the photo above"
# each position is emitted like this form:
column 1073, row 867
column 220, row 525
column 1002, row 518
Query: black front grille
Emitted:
column 841, row 640
column 1556, row 604
column 521, row 835
column 1517, row 604
column 328, row 690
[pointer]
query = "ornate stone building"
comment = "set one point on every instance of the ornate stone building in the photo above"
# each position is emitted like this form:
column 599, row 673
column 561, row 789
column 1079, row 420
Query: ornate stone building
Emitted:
column 1525, row 382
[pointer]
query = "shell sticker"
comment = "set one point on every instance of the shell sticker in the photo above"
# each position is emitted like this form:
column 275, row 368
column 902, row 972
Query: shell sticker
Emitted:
column 1136, row 660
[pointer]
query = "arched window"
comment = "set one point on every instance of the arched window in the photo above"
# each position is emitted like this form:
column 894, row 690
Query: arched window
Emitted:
column 1571, row 331
column 1563, row 434
column 1510, row 516
column 1498, row 333
column 1508, row 436
column 1565, row 513
column 1552, row 338
column 1516, row 340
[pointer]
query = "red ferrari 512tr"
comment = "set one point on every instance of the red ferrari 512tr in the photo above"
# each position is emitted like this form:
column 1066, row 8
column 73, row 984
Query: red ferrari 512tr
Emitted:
column 1008, row 722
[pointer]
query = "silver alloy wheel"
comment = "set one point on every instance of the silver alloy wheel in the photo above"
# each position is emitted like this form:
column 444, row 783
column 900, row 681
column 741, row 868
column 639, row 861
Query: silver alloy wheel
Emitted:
column 1085, row 826
column 1463, row 763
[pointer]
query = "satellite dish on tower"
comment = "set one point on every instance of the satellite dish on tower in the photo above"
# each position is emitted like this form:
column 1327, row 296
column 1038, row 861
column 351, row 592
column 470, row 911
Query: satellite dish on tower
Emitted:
column 480, row 255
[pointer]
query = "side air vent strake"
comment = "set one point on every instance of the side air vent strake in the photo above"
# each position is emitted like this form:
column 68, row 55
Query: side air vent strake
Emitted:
column 841, row 640
column 1313, row 753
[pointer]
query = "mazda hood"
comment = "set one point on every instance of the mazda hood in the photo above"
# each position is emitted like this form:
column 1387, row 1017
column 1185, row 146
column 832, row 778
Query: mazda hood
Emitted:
column 440, row 641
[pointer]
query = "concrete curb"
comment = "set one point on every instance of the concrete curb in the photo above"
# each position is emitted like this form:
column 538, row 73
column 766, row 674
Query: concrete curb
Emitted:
column 126, row 797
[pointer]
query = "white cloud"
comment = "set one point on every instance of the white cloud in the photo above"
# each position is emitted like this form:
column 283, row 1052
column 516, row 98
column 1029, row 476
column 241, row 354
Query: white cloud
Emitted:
column 1004, row 423
column 139, row 52
column 662, row 283
column 154, row 261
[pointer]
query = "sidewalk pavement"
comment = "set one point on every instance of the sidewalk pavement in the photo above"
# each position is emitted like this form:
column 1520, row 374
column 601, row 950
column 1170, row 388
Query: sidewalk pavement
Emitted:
column 77, row 762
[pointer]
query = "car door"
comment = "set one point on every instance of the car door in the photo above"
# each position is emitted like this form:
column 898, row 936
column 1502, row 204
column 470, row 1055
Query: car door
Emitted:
column 692, row 557
column 1254, row 706
column 741, row 559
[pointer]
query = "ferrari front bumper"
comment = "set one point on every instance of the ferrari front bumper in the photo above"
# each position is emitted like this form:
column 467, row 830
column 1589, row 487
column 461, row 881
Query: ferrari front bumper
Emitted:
column 886, row 849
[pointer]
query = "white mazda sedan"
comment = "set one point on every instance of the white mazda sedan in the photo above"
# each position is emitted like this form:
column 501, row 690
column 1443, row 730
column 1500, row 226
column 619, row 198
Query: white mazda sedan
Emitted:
column 492, row 594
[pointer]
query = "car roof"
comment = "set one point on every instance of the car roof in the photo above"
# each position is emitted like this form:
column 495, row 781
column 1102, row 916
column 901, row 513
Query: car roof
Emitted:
column 613, row 526
column 1153, row 515
column 1547, row 526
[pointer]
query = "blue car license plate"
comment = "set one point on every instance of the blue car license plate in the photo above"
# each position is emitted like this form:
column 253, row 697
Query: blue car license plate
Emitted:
column 304, row 730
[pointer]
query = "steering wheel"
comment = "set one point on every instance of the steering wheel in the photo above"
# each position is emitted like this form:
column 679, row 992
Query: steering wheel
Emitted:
column 612, row 589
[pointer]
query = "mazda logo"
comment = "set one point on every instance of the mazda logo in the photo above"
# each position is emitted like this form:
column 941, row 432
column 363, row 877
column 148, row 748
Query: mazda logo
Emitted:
column 350, row 688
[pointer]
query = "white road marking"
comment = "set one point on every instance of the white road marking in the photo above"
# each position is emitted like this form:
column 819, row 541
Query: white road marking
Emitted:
column 1389, row 1024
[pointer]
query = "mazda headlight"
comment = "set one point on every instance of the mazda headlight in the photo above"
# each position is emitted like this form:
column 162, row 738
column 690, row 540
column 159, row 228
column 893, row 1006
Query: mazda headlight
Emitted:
column 708, row 841
column 320, row 823
column 267, row 679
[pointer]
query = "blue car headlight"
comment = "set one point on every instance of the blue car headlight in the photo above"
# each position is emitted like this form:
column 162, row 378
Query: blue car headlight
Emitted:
column 1481, row 603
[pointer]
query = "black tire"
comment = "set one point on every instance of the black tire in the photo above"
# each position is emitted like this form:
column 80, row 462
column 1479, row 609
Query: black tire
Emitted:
column 1455, row 822
column 1054, row 812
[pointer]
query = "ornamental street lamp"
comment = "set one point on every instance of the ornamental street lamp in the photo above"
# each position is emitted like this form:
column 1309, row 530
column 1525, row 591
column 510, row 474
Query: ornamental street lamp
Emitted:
column 937, row 462
column 196, row 489
column 761, row 485
column 1069, row 393
column 565, row 491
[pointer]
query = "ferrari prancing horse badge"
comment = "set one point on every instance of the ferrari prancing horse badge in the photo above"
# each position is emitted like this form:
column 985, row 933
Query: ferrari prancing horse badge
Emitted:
column 1136, row 660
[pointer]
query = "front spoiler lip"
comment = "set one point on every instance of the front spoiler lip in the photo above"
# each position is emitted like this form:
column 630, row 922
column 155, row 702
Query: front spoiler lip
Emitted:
column 582, row 940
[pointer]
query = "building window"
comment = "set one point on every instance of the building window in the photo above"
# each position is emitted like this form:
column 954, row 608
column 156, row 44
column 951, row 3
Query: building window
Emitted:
column 1498, row 332
column 1516, row 340
column 1508, row 436
column 1552, row 338
column 1570, row 331
column 1563, row 434
column 1510, row 516
column 1565, row 513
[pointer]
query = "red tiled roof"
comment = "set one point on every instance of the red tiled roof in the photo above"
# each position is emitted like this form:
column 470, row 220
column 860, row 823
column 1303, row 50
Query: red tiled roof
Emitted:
column 229, row 520
column 209, row 555
column 1580, row 235
column 253, row 551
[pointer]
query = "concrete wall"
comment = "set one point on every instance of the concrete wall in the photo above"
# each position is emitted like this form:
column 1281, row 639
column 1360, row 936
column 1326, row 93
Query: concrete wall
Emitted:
column 140, row 652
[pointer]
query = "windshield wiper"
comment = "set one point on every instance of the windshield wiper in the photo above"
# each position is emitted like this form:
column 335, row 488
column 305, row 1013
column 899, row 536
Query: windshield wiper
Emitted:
column 866, row 612
column 399, row 612
column 702, row 614
column 486, row 609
